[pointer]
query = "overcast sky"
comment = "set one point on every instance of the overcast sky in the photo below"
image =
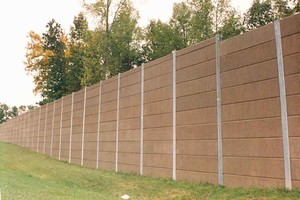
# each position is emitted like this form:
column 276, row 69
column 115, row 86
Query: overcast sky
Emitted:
column 17, row 18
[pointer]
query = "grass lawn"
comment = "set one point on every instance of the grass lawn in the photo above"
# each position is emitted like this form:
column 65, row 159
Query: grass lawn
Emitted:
column 28, row 175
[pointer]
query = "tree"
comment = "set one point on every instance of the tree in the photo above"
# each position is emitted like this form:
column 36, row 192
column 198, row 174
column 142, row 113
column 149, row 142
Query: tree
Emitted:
column 108, row 14
column 13, row 112
column 123, row 46
column 3, row 113
column 46, row 61
column 201, row 20
column 232, row 26
column 77, row 48
column 160, row 41
column 180, row 23
column 259, row 14
column 222, row 11
column 282, row 8
column 55, row 42
column 37, row 61
column 296, row 8
column 93, row 60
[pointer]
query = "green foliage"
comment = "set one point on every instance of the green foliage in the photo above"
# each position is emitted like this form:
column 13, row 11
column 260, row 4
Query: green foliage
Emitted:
column 263, row 12
column 282, row 8
column 124, row 53
column 232, row 26
column 62, row 64
column 93, row 61
column 7, row 112
column 56, row 71
column 4, row 110
column 160, row 40
column 78, row 37
column 260, row 14
column 180, row 24
column 201, row 20
column 116, row 32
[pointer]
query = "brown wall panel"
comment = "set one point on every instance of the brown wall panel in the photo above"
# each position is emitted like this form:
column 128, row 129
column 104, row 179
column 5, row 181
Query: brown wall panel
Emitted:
column 198, row 56
column 91, row 110
column 158, row 134
column 92, row 91
column 158, row 107
column 110, row 96
column 128, row 168
column 256, row 147
column 293, row 103
column 107, row 157
column 131, row 77
column 251, row 182
column 196, row 86
column 197, row 132
column 130, row 112
column 253, row 55
column 257, row 128
column 129, row 124
column 294, row 147
column 266, row 108
column 288, row 27
column 108, row 136
column 158, row 172
column 107, row 165
column 197, row 147
column 247, row 40
column 197, row 176
column 78, row 96
column 108, row 126
column 160, row 120
column 199, row 116
column 108, row 106
column 295, row 169
column 158, row 95
column 250, row 92
column 200, row 70
column 130, row 90
column 196, row 101
column 129, row 135
column 129, row 158
column 291, row 44
column 91, row 129
column 154, row 71
column 128, row 102
column 129, row 147
column 107, row 146
column 294, row 122
column 206, row 164
column 157, row 147
column 158, row 82
column 255, row 167
column 158, row 160
column 292, row 84
column 110, row 85
column 90, row 137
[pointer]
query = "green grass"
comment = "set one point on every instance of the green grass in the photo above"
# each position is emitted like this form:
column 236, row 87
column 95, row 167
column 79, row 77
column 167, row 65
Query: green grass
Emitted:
column 28, row 175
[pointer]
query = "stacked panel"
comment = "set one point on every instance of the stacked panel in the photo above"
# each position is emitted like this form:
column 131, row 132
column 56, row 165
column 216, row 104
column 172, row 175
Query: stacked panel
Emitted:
column 108, row 125
column 130, row 120
column 158, row 93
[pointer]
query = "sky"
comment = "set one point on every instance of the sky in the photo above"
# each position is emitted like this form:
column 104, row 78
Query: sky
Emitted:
column 18, row 18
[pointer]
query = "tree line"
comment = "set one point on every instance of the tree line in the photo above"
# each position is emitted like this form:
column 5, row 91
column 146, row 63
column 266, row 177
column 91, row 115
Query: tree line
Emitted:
column 7, row 112
column 62, row 63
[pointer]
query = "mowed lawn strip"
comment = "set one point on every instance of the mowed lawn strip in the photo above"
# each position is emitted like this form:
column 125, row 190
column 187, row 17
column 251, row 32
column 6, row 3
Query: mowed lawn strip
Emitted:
column 27, row 175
